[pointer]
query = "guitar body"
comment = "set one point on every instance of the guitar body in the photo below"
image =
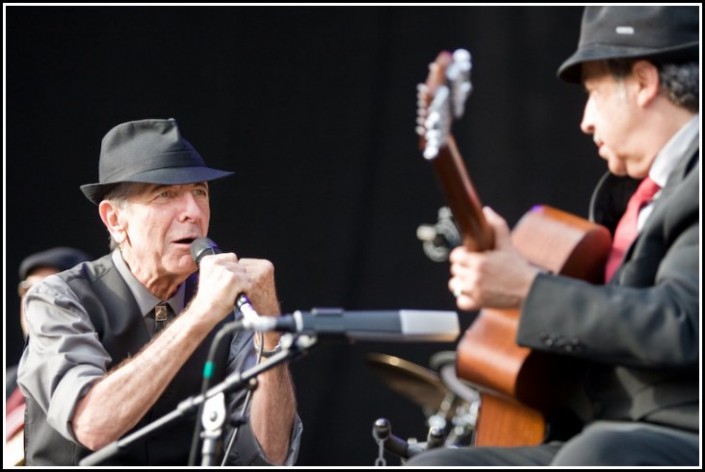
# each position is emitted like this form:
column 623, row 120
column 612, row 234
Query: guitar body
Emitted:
column 518, row 385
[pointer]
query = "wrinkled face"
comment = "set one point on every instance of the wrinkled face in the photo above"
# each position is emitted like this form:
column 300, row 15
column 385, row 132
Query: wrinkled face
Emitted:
column 159, row 223
column 611, row 116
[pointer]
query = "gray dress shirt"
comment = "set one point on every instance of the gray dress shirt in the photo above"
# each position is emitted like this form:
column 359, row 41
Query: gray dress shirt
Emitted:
column 65, row 356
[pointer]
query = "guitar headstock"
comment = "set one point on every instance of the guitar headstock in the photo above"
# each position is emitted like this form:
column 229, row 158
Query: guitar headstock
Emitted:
column 442, row 99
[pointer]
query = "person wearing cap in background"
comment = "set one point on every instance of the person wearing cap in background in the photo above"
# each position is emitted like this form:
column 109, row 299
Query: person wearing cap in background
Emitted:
column 103, row 362
column 639, row 332
column 33, row 268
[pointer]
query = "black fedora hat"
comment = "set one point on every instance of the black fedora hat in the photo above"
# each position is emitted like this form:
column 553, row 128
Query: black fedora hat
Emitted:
column 148, row 151
column 659, row 33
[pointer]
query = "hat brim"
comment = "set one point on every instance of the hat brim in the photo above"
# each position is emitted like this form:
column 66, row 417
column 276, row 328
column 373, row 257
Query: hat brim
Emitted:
column 571, row 70
column 165, row 176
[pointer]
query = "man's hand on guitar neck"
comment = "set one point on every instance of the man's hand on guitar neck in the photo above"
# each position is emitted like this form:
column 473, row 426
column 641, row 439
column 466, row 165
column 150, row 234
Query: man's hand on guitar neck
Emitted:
column 497, row 278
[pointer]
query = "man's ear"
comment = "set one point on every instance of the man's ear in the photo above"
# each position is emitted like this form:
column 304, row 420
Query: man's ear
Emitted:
column 110, row 214
column 647, row 79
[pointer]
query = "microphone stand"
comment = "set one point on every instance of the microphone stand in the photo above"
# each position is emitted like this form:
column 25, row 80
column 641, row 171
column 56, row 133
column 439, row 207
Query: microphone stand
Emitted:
column 213, row 396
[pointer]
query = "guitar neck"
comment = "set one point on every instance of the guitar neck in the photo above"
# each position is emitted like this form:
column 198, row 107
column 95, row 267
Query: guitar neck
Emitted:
column 462, row 198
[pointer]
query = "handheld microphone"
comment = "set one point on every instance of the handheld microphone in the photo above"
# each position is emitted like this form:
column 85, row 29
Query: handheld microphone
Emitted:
column 394, row 325
column 205, row 247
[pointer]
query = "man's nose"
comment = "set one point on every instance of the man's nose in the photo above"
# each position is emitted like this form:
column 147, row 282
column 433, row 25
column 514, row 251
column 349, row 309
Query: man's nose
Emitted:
column 587, row 124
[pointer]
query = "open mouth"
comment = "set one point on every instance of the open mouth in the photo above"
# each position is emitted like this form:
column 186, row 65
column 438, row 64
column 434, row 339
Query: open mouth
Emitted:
column 185, row 241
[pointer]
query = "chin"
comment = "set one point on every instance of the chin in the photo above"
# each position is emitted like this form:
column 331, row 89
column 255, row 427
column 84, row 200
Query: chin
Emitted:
column 184, row 265
column 618, row 169
column 616, row 165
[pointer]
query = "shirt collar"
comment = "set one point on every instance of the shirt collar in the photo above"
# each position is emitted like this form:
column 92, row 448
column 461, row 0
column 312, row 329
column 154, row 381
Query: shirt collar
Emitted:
column 145, row 299
column 668, row 158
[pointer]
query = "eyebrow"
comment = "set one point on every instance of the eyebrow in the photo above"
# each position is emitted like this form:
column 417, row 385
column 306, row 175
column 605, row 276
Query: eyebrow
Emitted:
column 157, row 187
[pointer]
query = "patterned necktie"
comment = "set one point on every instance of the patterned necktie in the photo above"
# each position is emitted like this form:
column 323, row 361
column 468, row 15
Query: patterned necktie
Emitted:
column 627, row 229
column 158, row 318
column 161, row 316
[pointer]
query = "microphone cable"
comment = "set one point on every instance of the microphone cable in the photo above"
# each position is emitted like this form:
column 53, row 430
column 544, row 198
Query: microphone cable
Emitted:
column 208, row 369
column 245, row 404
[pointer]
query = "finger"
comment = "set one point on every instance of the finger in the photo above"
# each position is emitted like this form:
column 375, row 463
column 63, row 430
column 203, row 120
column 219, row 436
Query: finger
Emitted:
column 458, row 255
column 455, row 287
column 466, row 302
column 500, row 227
column 224, row 259
column 258, row 265
column 469, row 263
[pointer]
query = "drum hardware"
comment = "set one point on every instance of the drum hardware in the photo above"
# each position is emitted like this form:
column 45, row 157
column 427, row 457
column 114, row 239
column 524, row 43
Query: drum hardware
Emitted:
column 450, row 404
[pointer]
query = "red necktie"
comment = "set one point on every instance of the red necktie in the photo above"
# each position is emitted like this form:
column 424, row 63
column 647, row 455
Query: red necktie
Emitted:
column 627, row 228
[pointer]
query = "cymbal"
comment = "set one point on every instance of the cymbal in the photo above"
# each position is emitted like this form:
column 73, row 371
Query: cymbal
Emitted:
column 422, row 386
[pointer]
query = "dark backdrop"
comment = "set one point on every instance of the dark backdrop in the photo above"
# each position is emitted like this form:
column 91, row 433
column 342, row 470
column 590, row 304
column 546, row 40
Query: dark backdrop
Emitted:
column 314, row 109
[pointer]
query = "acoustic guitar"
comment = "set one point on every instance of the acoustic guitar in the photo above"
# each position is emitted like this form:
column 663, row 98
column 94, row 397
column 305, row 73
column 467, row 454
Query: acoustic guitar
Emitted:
column 519, row 387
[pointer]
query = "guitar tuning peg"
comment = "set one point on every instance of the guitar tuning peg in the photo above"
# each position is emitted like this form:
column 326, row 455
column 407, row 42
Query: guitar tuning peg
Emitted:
column 462, row 57
column 422, row 93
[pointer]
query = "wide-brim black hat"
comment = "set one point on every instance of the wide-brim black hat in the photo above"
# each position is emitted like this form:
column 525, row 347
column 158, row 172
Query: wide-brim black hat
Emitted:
column 148, row 151
column 664, row 34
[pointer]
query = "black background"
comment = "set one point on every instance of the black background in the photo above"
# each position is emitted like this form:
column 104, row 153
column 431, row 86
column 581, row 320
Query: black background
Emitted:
column 314, row 109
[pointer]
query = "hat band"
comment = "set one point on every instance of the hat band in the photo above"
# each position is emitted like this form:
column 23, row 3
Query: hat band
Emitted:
column 163, row 160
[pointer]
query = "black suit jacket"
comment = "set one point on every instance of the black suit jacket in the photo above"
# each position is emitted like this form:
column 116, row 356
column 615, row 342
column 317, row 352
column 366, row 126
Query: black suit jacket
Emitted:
column 639, row 334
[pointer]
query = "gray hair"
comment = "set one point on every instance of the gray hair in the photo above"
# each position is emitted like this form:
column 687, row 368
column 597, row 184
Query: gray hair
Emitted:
column 680, row 83
column 118, row 196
